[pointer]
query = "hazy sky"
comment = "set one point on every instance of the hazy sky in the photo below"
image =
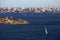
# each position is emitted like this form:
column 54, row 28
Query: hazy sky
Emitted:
column 28, row 3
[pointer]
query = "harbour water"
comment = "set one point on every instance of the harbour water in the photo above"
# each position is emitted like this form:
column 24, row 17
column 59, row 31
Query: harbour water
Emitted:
column 33, row 31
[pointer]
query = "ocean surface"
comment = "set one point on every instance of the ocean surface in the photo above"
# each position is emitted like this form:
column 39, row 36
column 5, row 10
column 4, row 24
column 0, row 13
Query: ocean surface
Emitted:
column 43, row 26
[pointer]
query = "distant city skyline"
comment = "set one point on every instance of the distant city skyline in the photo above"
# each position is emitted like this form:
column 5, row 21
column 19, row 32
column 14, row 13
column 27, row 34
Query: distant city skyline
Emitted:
column 29, row 3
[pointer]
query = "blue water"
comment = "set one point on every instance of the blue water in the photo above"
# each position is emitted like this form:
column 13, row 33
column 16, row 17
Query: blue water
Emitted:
column 33, row 31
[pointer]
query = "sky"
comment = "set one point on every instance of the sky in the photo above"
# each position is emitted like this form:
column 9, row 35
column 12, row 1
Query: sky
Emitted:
column 29, row 3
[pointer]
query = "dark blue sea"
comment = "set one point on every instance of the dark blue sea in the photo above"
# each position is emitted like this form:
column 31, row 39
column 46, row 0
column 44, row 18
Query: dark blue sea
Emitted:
column 33, row 31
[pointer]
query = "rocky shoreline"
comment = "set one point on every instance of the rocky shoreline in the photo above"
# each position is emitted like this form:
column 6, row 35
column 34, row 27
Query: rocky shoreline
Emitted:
column 6, row 20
